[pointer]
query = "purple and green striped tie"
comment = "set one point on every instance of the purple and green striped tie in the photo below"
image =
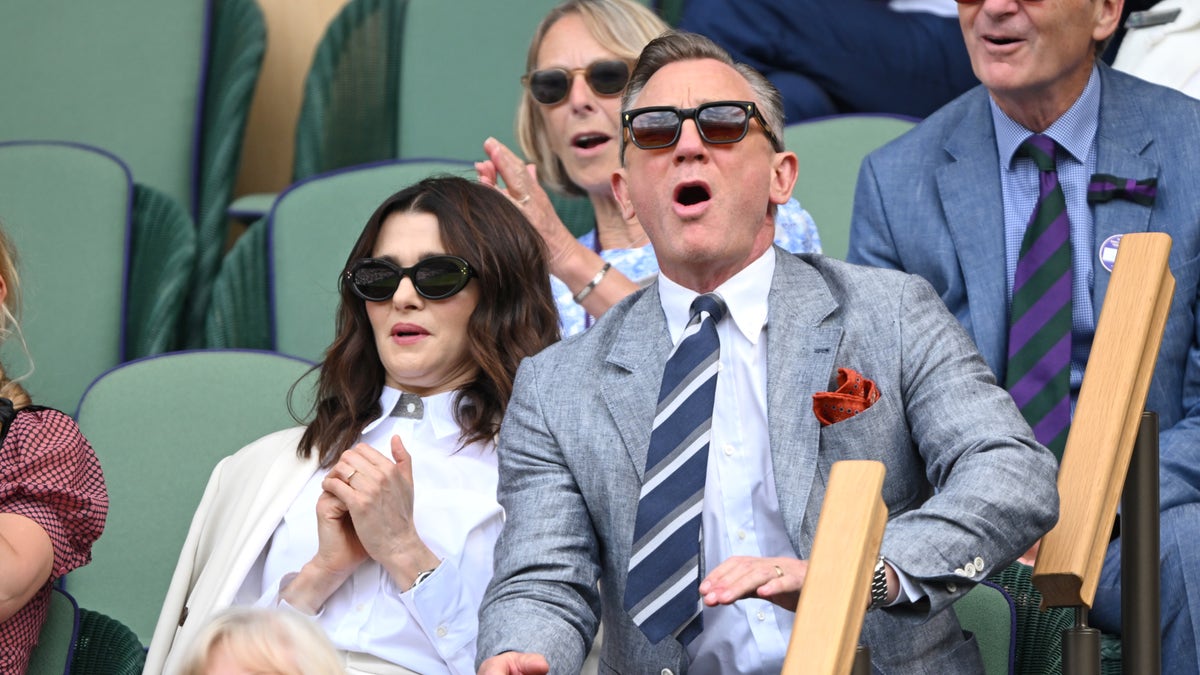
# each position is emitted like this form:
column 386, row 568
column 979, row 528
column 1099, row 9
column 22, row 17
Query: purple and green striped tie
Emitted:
column 1039, row 338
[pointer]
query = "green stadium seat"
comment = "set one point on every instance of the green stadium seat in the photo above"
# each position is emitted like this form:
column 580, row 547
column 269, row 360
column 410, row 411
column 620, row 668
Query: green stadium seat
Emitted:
column 159, row 425
column 164, row 85
column 66, row 208
column 831, row 149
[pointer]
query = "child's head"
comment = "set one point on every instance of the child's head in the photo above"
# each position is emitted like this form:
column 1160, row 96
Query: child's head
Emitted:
column 251, row 640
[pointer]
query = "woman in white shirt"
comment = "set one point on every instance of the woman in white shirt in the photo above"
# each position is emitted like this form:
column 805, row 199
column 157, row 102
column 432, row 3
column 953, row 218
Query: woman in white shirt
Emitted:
column 378, row 519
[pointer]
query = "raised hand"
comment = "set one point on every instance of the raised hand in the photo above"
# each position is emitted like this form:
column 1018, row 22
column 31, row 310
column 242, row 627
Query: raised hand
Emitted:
column 522, row 188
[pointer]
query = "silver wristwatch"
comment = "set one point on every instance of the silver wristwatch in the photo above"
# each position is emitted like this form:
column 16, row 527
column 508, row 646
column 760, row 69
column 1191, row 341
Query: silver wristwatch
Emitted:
column 878, row 586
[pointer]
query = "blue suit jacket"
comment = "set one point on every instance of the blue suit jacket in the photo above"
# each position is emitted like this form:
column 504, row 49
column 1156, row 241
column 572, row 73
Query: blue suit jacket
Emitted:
column 929, row 203
column 573, row 448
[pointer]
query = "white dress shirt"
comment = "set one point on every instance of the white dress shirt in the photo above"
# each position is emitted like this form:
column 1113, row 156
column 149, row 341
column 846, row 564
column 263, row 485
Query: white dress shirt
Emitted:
column 432, row 628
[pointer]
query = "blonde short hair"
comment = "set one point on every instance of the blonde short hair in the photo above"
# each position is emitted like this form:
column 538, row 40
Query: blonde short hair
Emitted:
column 620, row 26
column 264, row 640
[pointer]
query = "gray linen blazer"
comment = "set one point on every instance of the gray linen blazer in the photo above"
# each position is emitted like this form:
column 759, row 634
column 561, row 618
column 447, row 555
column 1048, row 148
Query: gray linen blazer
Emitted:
column 968, row 488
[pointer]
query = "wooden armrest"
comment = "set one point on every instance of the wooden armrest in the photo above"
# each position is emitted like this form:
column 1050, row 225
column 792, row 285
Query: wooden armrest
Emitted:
column 838, row 586
column 1107, row 415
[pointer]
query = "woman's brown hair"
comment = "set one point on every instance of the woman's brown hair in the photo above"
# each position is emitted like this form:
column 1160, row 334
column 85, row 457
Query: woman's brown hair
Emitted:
column 514, row 318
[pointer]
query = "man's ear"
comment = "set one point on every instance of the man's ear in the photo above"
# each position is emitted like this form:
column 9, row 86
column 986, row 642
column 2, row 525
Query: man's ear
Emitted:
column 620, row 188
column 1108, row 16
column 784, row 169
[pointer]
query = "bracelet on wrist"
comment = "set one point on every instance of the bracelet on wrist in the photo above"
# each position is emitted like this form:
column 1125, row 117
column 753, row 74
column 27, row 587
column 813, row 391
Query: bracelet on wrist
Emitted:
column 591, row 285
column 421, row 576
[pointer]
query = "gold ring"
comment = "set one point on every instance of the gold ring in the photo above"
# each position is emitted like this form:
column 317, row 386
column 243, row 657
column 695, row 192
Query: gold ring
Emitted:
column 524, row 200
column 354, row 471
column 778, row 571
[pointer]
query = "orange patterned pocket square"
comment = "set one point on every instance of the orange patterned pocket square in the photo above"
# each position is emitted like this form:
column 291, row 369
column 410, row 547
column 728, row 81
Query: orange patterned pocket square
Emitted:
column 854, row 394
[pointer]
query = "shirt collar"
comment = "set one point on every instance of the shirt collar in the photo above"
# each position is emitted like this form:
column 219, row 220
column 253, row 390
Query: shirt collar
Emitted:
column 745, row 295
column 439, row 414
column 1074, row 130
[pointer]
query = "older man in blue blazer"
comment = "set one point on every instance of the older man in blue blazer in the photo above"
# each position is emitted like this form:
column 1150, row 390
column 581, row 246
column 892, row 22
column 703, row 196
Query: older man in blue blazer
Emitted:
column 952, row 201
column 581, row 458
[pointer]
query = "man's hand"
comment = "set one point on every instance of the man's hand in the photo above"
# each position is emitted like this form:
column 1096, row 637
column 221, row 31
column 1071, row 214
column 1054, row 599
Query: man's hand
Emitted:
column 515, row 663
column 776, row 579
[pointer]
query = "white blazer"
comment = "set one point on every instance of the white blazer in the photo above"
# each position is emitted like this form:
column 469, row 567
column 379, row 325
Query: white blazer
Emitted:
column 246, row 498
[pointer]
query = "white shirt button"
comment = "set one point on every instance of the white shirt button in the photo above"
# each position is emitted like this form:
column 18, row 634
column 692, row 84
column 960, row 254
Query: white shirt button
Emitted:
column 761, row 616
column 952, row 587
column 411, row 407
column 666, row 671
column 741, row 535
column 728, row 450
column 442, row 631
column 979, row 564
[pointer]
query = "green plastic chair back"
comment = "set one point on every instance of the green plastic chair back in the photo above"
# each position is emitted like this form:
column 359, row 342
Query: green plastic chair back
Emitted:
column 122, row 76
column 235, row 53
column 105, row 646
column 831, row 149
column 164, row 85
column 56, row 641
column 988, row 612
column 159, row 425
column 461, row 65
column 414, row 79
column 351, row 94
column 66, row 209
column 310, row 232
column 1039, row 631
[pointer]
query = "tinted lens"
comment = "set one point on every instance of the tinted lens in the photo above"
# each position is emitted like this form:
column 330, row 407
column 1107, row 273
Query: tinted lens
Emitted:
column 437, row 278
column 434, row 278
column 655, row 128
column 548, row 86
column 723, row 123
column 608, row 77
column 375, row 281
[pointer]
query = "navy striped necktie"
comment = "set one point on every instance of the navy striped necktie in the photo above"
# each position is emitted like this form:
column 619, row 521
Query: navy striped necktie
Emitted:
column 662, row 591
column 1039, row 339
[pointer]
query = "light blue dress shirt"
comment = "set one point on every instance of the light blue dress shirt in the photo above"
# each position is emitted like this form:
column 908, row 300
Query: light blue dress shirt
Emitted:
column 1075, row 132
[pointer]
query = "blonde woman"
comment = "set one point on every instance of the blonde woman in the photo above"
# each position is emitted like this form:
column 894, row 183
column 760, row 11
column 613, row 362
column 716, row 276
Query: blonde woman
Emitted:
column 261, row 640
column 52, row 497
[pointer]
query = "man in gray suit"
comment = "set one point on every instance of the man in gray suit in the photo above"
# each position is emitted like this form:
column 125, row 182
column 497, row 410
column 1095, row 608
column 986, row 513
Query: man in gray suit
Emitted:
column 952, row 199
column 967, row 487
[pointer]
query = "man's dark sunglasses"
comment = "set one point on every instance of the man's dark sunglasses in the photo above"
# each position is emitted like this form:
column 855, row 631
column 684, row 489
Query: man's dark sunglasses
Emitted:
column 551, row 85
column 434, row 278
column 718, row 122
